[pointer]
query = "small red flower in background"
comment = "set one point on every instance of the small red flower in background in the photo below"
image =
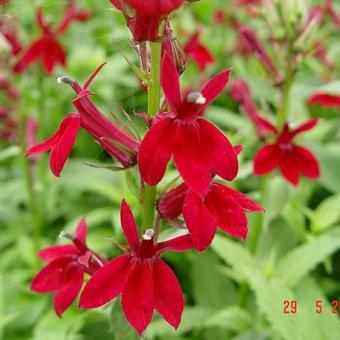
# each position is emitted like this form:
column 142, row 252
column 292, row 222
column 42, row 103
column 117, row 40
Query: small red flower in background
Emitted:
column 292, row 160
column 8, row 28
column 145, row 281
column 145, row 23
column 64, row 273
column 200, row 150
column 47, row 49
column 198, row 52
column 221, row 207
column 324, row 99
column 60, row 144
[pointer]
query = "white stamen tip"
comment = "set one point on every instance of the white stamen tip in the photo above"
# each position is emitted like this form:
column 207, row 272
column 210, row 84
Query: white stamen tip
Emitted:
column 148, row 234
column 196, row 97
column 65, row 234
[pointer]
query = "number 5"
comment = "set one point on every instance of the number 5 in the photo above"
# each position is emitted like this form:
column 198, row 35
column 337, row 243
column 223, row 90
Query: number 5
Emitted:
column 318, row 305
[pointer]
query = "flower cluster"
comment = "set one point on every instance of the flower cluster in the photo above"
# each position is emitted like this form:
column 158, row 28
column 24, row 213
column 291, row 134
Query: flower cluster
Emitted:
column 178, row 131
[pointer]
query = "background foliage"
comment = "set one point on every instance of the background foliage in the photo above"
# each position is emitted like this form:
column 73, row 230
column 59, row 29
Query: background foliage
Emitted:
column 299, row 249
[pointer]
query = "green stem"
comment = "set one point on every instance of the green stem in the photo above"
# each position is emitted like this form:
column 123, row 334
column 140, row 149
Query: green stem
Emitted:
column 29, row 184
column 154, row 96
column 287, row 85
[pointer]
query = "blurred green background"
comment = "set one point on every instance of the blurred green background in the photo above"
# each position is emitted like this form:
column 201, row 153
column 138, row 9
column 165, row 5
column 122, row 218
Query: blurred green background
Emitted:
column 299, row 249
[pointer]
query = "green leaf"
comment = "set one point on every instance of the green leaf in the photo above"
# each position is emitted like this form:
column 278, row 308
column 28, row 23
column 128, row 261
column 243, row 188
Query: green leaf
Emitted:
column 326, row 214
column 300, row 261
column 11, row 151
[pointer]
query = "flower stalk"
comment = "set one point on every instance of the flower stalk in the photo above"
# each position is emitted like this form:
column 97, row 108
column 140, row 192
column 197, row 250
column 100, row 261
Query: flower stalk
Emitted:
column 154, row 96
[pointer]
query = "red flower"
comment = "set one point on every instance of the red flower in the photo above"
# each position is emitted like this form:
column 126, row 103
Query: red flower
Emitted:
column 148, row 14
column 9, row 31
column 64, row 273
column 324, row 99
column 60, row 144
column 116, row 142
column 240, row 92
column 198, row 52
column 292, row 160
column 221, row 207
column 199, row 149
column 144, row 280
column 47, row 48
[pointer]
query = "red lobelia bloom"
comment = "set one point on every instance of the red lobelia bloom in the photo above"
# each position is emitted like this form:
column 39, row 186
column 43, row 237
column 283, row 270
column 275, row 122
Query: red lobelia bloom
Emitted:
column 198, row 52
column 116, row 142
column 148, row 14
column 292, row 160
column 199, row 149
column 60, row 144
column 64, row 273
column 9, row 30
column 324, row 99
column 221, row 207
column 144, row 280
column 47, row 48
column 220, row 17
column 240, row 92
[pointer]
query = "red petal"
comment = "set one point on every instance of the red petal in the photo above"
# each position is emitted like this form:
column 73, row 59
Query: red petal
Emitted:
column 53, row 54
column 155, row 151
column 307, row 163
column 200, row 223
column 177, row 244
column 189, row 161
column 230, row 217
column 217, row 151
column 44, row 146
column 170, row 83
column 309, row 125
column 62, row 149
column 30, row 56
column 81, row 232
column 138, row 298
column 168, row 297
column 267, row 159
column 51, row 253
column 324, row 99
column 215, row 86
column 225, row 193
column 129, row 226
column 117, row 4
column 64, row 296
column 52, row 276
column 289, row 167
column 106, row 283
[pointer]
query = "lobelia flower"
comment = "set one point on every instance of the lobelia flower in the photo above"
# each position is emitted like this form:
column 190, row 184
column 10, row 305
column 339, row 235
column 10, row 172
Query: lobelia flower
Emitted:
column 325, row 100
column 47, row 49
column 221, row 207
column 292, row 160
column 64, row 273
column 9, row 31
column 116, row 142
column 145, row 23
column 240, row 92
column 198, row 52
column 145, row 281
column 199, row 149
